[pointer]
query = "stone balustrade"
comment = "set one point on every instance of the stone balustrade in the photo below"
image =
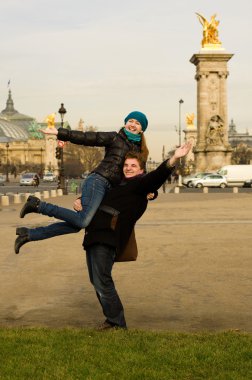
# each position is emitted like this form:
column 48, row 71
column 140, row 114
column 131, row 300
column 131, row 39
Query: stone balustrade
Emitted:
column 11, row 198
column 6, row 200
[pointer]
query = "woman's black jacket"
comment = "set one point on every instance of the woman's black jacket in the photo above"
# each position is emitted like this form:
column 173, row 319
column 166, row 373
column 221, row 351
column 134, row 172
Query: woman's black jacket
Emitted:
column 116, row 146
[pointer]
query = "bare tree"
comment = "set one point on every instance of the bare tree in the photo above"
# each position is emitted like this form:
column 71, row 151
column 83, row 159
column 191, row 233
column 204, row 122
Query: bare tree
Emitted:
column 241, row 155
column 81, row 159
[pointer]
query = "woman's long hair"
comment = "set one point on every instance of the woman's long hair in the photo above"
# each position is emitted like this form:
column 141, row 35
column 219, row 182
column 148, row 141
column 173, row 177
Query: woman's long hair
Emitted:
column 144, row 148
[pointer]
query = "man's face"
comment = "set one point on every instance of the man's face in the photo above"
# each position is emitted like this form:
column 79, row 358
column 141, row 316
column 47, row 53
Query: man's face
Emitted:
column 131, row 168
column 133, row 126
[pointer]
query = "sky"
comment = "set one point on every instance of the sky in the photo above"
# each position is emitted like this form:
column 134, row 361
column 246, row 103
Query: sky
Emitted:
column 104, row 59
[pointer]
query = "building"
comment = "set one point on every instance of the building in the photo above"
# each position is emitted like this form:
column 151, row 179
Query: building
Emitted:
column 236, row 138
column 22, row 146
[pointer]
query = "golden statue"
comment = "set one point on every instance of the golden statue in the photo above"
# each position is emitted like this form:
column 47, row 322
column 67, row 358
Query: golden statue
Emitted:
column 189, row 118
column 210, row 32
column 50, row 119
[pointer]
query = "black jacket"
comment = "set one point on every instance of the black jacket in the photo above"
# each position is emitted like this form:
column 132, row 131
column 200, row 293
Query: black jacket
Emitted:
column 116, row 146
column 129, row 199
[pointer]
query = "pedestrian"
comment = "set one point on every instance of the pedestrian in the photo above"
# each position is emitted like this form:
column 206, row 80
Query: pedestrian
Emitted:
column 108, row 235
column 36, row 180
column 107, row 174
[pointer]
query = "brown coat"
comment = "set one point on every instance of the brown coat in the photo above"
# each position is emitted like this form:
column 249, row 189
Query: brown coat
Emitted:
column 130, row 252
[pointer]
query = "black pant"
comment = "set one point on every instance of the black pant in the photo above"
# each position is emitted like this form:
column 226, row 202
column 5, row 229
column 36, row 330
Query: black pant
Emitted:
column 100, row 260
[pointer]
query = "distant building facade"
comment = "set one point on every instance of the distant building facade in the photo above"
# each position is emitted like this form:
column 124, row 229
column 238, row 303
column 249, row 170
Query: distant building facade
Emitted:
column 22, row 146
column 236, row 138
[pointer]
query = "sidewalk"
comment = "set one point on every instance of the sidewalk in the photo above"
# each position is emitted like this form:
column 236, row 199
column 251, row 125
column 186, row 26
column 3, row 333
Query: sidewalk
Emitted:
column 193, row 273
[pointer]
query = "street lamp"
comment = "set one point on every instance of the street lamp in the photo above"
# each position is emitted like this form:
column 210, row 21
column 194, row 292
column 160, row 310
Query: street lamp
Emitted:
column 7, row 162
column 181, row 101
column 62, row 184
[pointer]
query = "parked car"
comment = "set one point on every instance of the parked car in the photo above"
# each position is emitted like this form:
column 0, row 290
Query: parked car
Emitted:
column 210, row 180
column 187, row 181
column 49, row 177
column 2, row 179
column 29, row 179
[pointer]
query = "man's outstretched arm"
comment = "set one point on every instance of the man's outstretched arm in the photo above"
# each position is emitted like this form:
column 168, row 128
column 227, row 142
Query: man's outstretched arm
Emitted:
column 154, row 180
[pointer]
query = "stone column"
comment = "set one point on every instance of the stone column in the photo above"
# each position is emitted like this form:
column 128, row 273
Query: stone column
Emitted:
column 51, row 163
column 212, row 149
column 190, row 136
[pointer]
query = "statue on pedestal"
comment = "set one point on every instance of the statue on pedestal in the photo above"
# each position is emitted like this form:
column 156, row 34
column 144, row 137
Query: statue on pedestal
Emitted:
column 212, row 149
column 210, row 31
column 51, row 163
column 191, row 137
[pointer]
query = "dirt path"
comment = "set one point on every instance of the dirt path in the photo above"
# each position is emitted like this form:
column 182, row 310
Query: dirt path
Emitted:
column 193, row 273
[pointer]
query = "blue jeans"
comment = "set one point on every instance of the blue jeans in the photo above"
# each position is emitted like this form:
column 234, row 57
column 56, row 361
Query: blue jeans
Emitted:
column 54, row 229
column 93, row 191
column 100, row 259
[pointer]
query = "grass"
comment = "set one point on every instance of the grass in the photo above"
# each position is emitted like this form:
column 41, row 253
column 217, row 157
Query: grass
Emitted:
column 66, row 354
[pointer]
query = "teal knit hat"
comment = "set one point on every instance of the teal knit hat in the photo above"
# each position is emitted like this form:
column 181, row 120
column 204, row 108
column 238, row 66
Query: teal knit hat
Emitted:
column 139, row 116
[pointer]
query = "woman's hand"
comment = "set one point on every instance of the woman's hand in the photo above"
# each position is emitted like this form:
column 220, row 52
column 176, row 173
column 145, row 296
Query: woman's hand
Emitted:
column 77, row 205
column 49, row 131
column 150, row 196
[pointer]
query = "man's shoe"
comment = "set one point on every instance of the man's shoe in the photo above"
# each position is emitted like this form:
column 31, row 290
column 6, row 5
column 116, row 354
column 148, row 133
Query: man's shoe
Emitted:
column 105, row 326
column 109, row 326
column 31, row 205
column 20, row 240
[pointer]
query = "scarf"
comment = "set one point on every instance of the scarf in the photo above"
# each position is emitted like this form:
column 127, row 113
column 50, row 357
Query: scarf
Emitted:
column 132, row 136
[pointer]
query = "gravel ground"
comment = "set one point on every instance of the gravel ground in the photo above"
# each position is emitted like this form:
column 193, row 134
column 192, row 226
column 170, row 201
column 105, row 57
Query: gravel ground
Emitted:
column 193, row 272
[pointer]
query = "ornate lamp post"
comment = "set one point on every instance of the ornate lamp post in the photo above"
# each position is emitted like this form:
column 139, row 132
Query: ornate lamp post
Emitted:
column 181, row 101
column 7, row 162
column 62, row 183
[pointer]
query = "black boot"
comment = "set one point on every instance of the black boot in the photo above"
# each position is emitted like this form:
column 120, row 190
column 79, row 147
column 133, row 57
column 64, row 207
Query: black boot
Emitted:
column 23, row 237
column 31, row 205
column 22, row 231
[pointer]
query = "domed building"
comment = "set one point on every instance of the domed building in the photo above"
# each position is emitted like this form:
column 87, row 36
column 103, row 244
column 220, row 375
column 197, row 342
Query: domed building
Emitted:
column 18, row 119
column 22, row 146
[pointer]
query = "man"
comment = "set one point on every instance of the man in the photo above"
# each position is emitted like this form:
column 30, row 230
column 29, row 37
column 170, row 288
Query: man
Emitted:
column 111, row 230
column 108, row 234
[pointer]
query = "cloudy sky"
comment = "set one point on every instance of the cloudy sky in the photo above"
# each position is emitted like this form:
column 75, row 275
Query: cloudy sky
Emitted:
column 104, row 59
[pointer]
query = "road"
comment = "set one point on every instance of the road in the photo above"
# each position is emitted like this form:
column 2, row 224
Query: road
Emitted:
column 14, row 187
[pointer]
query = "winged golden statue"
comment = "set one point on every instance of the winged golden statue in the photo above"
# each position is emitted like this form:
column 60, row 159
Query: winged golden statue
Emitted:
column 210, row 31
column 50, row 119
column 189, row 119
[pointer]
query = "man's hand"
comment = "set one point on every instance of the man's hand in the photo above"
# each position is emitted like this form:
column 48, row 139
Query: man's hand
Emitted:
column 77, row 205
column 49, row 131
column 181, row 151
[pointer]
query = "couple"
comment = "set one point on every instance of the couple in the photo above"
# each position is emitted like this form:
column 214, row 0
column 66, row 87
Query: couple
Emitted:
column 108, row 234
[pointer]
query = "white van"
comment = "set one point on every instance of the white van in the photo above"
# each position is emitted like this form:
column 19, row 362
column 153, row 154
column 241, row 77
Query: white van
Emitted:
column 236, row 174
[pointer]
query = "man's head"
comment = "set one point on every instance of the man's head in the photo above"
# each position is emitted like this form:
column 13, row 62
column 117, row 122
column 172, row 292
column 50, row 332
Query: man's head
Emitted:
column 136, row 122
column 133, row 165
